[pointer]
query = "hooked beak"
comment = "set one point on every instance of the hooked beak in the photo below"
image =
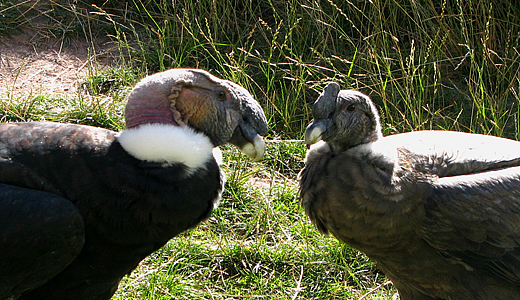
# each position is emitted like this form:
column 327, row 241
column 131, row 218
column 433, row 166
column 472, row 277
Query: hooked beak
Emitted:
column 247, row 139
column 315, row 130
column 322, row 108
column 252, row 126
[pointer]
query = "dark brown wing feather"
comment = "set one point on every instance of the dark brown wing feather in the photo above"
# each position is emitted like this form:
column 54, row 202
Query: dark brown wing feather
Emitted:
column 40, row 235
column 475, row 220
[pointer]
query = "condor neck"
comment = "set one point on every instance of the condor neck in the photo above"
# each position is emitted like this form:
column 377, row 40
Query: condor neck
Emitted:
column 167, row 144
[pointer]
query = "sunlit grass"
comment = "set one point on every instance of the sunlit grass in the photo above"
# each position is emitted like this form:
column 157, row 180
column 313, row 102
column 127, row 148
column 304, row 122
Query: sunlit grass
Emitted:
column 257, row 244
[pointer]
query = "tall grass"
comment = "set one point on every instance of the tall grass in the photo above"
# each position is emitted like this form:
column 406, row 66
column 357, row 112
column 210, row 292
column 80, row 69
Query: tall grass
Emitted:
column 433, row 64
column 428, row 64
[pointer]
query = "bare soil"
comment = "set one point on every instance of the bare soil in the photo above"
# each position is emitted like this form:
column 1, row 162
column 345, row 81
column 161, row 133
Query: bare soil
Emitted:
column 32, row 67
column 35, row 62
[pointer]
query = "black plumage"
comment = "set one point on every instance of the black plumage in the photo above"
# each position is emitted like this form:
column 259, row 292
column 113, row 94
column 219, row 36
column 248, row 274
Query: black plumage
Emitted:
column 438, row 211
column 81, row 206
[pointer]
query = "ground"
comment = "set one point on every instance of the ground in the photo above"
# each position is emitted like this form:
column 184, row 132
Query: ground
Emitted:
column 29, row 66
column 33, row 61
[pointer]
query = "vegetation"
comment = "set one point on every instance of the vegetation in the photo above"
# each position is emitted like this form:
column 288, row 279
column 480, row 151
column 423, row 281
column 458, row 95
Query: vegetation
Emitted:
column 432, row 64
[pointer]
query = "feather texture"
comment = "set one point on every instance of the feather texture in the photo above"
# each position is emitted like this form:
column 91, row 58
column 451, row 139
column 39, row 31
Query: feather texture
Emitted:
column 171, row 145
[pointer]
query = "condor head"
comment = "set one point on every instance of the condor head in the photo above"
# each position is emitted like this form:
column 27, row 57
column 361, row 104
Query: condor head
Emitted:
column 187, row 101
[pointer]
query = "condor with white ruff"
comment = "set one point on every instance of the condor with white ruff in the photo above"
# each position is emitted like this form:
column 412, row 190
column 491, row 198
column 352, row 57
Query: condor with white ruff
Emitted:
column 81, row 206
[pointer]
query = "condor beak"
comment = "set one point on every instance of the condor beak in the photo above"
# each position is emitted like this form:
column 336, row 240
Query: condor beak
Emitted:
column 322, row 108
column 252, row 126
column 248, row 140
column 315, row 130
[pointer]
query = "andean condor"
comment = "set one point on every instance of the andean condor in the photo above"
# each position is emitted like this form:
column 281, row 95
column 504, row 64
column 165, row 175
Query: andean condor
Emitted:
column 438, row 211
column 81, row 206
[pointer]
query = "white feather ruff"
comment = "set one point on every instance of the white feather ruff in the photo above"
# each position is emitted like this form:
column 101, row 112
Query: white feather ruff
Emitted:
column 167, row 144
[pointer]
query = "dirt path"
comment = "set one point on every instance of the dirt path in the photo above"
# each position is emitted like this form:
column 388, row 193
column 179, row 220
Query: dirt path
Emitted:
column 37, row 67
column 35, row 62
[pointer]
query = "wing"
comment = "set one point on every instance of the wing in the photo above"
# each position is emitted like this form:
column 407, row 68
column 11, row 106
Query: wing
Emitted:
column 474, row 220
column 32, row 154
column 40, row 234
column 449, row 153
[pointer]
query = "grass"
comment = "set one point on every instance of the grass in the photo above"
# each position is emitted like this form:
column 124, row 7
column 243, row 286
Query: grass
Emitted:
column 248, row 250
column 434, row 64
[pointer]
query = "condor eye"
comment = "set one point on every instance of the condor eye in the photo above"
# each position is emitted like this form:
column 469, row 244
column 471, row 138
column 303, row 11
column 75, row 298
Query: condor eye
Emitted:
column 350, row 107
column 221, row 95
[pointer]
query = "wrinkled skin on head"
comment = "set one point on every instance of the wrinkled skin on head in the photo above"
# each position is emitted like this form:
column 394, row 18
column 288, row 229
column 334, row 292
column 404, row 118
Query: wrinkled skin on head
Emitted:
column 343, row 118
column 221, row 109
